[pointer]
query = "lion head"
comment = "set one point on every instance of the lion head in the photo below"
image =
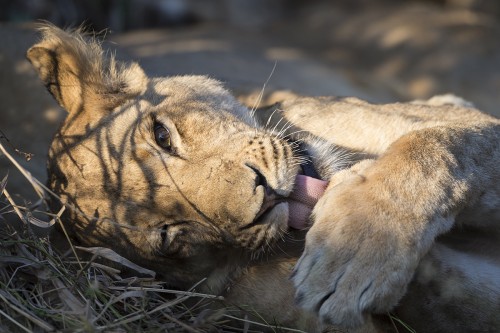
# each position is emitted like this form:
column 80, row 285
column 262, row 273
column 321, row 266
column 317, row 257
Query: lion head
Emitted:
column 170, row 172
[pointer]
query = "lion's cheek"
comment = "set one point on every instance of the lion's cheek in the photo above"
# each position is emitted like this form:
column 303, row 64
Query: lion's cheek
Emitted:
column 227, row 196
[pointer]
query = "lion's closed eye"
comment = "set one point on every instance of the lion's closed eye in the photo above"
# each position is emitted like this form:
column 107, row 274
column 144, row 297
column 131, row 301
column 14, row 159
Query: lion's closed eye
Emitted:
column 171, row 240
column 177, row 239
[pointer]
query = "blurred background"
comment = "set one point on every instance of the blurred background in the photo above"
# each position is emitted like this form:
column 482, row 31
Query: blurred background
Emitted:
column 379, row 50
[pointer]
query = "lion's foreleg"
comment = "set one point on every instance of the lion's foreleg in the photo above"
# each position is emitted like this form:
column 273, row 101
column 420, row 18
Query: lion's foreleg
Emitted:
column 371, row 231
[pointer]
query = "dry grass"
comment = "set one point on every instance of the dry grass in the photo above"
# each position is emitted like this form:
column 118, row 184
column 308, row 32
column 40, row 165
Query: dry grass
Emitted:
column 86, row 289
column 91, row 289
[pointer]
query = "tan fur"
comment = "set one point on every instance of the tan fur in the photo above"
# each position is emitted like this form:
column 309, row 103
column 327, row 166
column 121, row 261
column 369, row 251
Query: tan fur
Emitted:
column 435, row 169
column 194, row 211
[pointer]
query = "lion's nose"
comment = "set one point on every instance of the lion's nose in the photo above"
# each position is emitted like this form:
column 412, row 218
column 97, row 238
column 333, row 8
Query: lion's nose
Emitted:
column 271, row 197
column 260, row 180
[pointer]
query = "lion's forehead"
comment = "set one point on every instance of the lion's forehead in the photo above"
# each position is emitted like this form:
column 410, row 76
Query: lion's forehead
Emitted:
column 188, row 94
column 182, row 89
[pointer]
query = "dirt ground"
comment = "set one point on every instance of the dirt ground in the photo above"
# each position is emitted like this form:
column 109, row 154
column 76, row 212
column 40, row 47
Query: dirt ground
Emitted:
column 389, row 52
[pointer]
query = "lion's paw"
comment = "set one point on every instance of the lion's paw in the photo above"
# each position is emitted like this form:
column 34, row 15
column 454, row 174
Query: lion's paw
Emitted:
column 356, row 261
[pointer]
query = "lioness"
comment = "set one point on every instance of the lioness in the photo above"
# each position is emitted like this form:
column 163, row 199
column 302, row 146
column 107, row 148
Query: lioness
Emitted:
column 175, row 174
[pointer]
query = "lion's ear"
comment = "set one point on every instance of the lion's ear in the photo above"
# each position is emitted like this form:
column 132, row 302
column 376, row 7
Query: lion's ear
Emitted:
column 79, row 76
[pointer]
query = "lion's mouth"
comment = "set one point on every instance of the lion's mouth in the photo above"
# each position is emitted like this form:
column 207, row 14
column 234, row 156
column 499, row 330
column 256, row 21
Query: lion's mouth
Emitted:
column 269, row 203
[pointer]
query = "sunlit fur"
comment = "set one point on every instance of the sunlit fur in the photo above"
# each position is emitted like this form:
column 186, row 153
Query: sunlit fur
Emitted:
column 193, row 212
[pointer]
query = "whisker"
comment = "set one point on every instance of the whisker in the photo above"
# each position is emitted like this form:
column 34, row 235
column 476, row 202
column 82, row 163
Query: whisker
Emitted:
column 269, row 119
column 261, row 94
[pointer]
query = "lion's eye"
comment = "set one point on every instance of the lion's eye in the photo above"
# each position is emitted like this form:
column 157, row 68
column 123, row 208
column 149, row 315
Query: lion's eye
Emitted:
column 162, row 137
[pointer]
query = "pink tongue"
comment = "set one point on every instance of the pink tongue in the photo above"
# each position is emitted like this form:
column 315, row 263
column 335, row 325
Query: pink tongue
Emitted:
column 304, row 196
